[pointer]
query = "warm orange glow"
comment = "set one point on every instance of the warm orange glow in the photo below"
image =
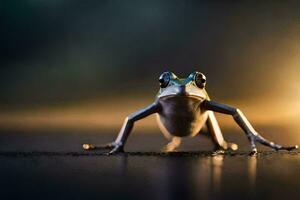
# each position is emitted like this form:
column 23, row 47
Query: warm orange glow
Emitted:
column 110, row 115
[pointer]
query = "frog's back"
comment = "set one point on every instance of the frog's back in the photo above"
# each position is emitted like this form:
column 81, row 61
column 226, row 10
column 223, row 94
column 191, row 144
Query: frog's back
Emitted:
column 181, row 116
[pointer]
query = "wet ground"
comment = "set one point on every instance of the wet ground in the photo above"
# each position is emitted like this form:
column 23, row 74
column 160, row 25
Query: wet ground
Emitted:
column 51, row 165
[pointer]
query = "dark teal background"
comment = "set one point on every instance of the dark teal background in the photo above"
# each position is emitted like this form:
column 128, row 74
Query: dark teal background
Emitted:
column 62, row 51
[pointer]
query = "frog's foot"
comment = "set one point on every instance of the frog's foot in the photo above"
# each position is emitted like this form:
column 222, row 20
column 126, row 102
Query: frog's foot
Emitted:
column 171, row 146
column 227, row 146
column 253, row 138
column 114, row 147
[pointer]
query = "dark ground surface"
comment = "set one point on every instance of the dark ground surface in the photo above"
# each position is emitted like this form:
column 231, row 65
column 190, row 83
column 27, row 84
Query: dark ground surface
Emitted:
column 51, row 165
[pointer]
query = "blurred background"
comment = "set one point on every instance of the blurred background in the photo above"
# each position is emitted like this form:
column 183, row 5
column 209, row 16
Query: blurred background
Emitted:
column 85, row 65
column 72, row 70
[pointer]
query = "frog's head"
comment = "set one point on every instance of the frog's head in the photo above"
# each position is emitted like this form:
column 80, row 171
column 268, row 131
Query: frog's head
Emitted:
column 172, row 86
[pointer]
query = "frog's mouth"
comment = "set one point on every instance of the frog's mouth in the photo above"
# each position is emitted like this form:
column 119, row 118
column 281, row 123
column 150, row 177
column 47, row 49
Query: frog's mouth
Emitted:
column 187, row 95
column 182, row 92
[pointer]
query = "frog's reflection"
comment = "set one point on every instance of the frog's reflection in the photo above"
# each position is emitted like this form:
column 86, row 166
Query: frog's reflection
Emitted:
column 216, row 164
column 209, row 174
column 177, row 177
column 193, row 178
column 252, row 167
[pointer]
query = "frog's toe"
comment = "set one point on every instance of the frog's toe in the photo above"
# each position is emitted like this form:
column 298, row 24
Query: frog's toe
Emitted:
column 289, row 148
column 172, row 145
column 167, row 149
column 115, row 150
column 232, row 146
column 87, row 146
column 253, row 152
column 98, row 147
column 218, row 152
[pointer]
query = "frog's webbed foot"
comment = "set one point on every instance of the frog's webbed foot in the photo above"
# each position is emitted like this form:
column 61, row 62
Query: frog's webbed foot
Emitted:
column 114, row 147
column 171, row 146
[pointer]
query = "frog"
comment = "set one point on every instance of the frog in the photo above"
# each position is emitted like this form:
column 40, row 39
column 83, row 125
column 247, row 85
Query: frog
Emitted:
column 183, row 108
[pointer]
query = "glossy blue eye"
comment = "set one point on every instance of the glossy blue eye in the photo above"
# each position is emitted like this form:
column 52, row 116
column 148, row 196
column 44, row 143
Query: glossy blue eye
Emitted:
column 200, row 79
column 164, row 79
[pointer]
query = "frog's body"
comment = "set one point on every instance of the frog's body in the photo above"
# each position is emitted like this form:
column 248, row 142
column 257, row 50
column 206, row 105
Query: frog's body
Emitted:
column 175, row 109
column 183, row 107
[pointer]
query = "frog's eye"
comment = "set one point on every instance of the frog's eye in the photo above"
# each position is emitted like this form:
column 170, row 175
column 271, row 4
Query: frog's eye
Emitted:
column 200, row 79
column 164, row 79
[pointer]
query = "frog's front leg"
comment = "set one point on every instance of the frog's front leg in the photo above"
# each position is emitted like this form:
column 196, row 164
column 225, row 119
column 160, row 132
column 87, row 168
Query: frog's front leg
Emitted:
column 119, row 143
column 216, row 133
column 242, row 121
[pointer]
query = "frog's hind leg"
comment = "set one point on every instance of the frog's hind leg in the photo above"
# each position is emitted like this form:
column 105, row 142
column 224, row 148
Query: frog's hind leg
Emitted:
column 216, row 133
column 172, row 145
